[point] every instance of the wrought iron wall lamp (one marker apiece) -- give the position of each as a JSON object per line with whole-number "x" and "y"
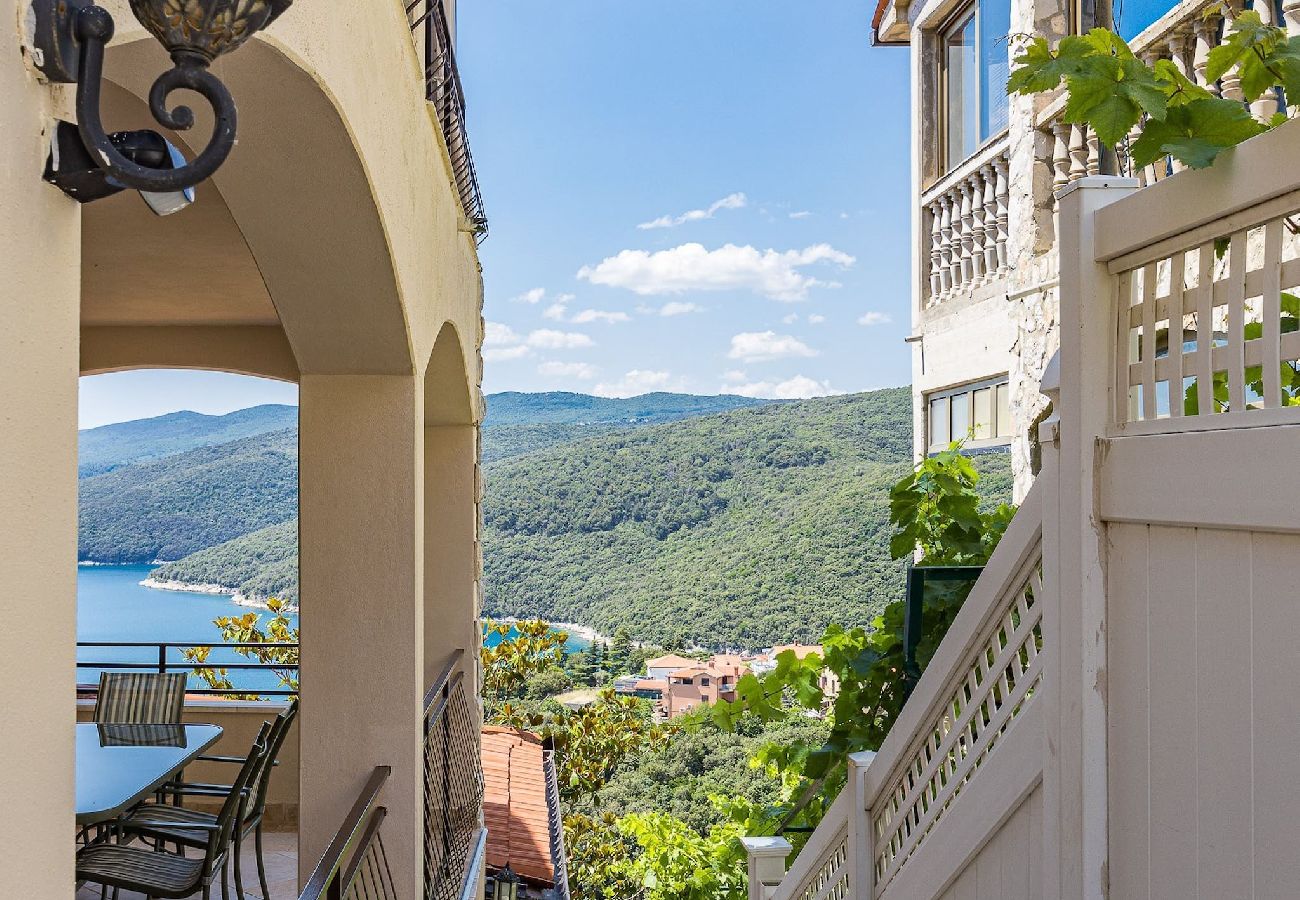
{"x": 68, "y": 39}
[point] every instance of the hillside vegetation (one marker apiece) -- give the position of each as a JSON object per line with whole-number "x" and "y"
{"x": 261, "y": 564}
{"x": 171, "y": 507}
{"x": 110, "y": 446}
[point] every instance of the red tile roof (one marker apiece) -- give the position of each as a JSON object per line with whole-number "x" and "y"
{"x": 515, "y": 807}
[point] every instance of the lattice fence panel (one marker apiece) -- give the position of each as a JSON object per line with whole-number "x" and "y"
{"x": 985, "y": 697}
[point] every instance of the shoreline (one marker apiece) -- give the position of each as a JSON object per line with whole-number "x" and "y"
{"x": 588, "y": 634}
{"x": 236, "y": 597}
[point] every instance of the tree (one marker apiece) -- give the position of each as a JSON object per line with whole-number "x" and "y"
{"x": 620, "y": 653}
{"x": 677, "y": 863}
{"x": 598, "y": 662}
{"x": 524, "y": 649}
{"x": 247, "y": 629}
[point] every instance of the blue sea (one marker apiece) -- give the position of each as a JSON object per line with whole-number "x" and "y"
{"x": 112, "y": 605}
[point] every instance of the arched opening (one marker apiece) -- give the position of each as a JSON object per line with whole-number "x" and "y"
{"x": 451, "y": 494}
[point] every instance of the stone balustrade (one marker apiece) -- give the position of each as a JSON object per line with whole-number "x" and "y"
{"x": 1186, "y": 35}
{"x": 966, "y": 216}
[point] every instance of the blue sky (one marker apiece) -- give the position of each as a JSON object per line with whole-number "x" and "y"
{"x": 701, "y": 196}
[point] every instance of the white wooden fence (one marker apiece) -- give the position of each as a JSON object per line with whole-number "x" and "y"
{"x": 1116, "y": 710}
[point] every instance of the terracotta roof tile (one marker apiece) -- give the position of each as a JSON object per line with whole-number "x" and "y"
{"x": 515, "y": 803}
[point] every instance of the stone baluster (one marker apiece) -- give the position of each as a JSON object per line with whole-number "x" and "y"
{"x": 1291, "y": 17}
{"x": 990, "y": 219}
{"x": 1266, "y": 104}
{"x": 967, "y": 227}
{"x": 1094, "y": 152}
{"x": 1003, "y": 206}
{"x": 945, "y": 243}
{"x": 1207, "y": 28}
{"x": 936, "y": 248}
{"x": 1060, "y": 155}
{"x": 1182, "y": 50}
{"x": 1078, "y": 152}
{"x": 954, "y": 251}
{"x": 1231, "y": 83}
{"x": 978, "y": 226}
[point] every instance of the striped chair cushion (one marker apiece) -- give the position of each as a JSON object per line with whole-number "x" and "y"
{"x": 148, "y": 871}
{"x": 131, "y": 698}
{"x": 173, "y": 820}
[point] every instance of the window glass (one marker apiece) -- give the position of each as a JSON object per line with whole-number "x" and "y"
{"x": 962, "y": 89}
{"x": 1133, "y": 16}
{"x": 939, "y": 434}
{"x": 1004, "y": 410}
{"x": 960, "y": 417}
{"x": 976, "y": 63}
{"x": 995, "y": 65}
{"x": 983, "y": 405}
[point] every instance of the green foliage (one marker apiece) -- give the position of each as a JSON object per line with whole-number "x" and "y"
{"x": 263, "y": 563}
{"x": 171, "y": 507}
{"x": 937, "y": 513}
{"x": 526, "y": 648}
{"x": 247, "y": 629}
{"x": 1113, "y": 92}
{"x": 600, "y": 859}
{"x": 619, "y": 657}
{"x": 678, "y": 863}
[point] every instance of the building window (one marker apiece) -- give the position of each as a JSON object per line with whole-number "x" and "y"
{"x": 979, "y": 414}
{"x": 975, "y": 63}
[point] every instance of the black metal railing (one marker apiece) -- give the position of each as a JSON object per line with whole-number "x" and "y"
{"x": 158, "y": 661}
{"x": 454, "y": 837}
{"x": 354, "y": 865}
{"x": 555, "y": 822}
{"x": 442, "y": 88}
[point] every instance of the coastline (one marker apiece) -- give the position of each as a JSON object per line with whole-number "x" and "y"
{"x": 236, "y": 597}
{"x": 588, "y": 634}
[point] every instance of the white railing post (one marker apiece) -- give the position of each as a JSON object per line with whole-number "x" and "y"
{"x": 862, "y": 849}
{"x": 1075, "y": 810}
{"x": 767, "y": 858}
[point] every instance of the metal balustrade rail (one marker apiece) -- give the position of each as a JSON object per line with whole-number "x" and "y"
{"x": 159, "y": 662}
{"x": 354, "y": 865}
{"x": 453, "y": 786}
{"x": 443, "y": 89}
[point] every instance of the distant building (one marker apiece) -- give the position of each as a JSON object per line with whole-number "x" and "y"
{"x": 829, "y": 682}
{"x": 661, "y": 667}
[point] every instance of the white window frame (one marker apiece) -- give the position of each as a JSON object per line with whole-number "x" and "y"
{"x": 966, "y": 392}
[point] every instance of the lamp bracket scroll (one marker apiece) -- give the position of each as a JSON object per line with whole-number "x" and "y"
{"x": 68, "y": 41}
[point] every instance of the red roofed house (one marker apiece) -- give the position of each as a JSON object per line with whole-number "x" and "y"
{"x": 521, "y": 809}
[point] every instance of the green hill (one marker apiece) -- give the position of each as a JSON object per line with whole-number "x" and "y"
{"x": 171, "y": 507}
{"x": 565, "y": 408}
{"x": 744, "y": 528}
{"x": 110, "y": 446}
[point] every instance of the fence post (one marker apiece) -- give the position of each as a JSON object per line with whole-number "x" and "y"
{"x": 767, "y": 856}
{"x": 862, "y": 845}
{"x": 1075, "y": 778}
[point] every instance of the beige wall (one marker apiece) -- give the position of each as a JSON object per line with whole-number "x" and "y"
{"x": 40, "y": 266}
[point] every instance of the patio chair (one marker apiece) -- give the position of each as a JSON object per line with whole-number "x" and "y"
{"x": 171, "y": 823}
{"x": 140, "y": 698}
{"x": 156, "y": 873}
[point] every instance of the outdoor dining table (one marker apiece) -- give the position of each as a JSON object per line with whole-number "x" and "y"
{"x": 120, "y": 765}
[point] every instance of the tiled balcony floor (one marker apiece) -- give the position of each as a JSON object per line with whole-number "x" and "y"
{"x": 281, "y": 871}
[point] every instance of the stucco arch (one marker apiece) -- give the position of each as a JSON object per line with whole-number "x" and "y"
{"x": 449, "y": 388}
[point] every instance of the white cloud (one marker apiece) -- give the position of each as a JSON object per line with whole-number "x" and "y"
{"x": 790, "y": 319}
{"x": 640, "y": 381}
{"x": 678, "y": 308}
{"x": 731, "y": 201}
{"x": 816, "y": 318}
{"x": 801, "y": 214}
{"x": 599, "y": 315}
{"x": 874, "y": 318}
{"x": 760, "y": 346}
{"x": 733, "y": 375}
{"x": 496, "y": 334}
{"x": 501, "y": 354}
{"x": 580, "y": 370}
{"x": 800, "y": 387}
{"x": 555, "y": 311}
{"x": 533, "y": 296}
{"x": 691, "y": 267}
{"x": 549, "y": 339}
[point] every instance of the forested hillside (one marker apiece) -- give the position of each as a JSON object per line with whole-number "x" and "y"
{"x": 746, "y": 528}
{"x": 565, "y": 408}
{"x": 177, "y": 505}
{"x": 742, "y": 529}
{"x": 110, "y": 446}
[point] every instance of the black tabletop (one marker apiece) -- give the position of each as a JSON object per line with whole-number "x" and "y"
{"x": 120, "y": 765}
